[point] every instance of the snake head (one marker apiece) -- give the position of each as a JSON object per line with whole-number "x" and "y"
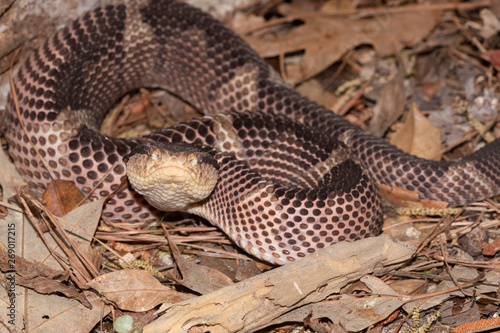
{"x": 172, "y": 176}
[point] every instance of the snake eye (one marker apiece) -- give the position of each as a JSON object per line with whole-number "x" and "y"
{"x": 154, "y": 155}
{"x": 193, "y": 161}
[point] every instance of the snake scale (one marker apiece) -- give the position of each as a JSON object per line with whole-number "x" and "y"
{"x": 293, "y": 176}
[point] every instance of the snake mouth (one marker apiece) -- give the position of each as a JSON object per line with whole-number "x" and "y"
{"x": 173, "y": 174}
{"x": 172, "y": 177}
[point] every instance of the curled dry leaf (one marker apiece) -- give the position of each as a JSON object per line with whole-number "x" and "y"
{"x": 135, "y": 290}
{"x": 41, "y": 278}
{"x": 199, "y": 278}
{"x": 325, "y": 39}
{"x": 62, "y": 196}
{"x": 418, "y": 136}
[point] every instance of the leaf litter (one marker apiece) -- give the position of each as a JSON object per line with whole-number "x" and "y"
{"x": 424, "y": 76}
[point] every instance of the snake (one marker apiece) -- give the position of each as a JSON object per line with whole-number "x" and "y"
{"x": 291, "y": 177}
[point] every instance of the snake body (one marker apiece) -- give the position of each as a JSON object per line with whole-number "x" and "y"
{"x": 292, "y": 174}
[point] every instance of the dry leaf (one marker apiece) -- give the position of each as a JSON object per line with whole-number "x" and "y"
{"x": 40, "y": 312}
{"x": 332, "y": 7}
{"x": 42, "y": 279}
{"x": 201, "y": 279}
{"x": 377, "y": 286}
{"x": 460, "y": 273}
{"x": 82, "y": 222}
{"x": 62, "y": 196}
{"x": 409, "y": 286}
{"x": 135, "y": 290}
{"x": 244, "y": 21}
{"x": 236, "y": 270}
{"x": 359, "y": 313}
{"x": 490, "y": 249}
{"x": 398, "y": 195}
{"x": 53, "y": 317}
{"x": 390, "y": 105}
{"x": 325, "y": 39}
{"x": 87, "y": 251}
{"x": 287, "y": 293}
{"x": 403, "y": 197}
{"x": 493, "y": 56}
{"x": 418, "y": 136}
{"x": 313, "y": 90}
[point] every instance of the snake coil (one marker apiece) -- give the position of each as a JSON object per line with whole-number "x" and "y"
{"x": 286, "y": 187}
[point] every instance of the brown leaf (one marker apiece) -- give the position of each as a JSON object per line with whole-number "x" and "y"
{"x": 62, "y": 196}
{"x": 494, "y": 57}
{"x": 409, "y": 286}
{"x": 397, "y": 195}
{"x": 335, "y": 6}
{"x": 199, "y": 278}
{"x": 75, "y": 318}
{"x": 325, "y": 39}
{"x": 418, "y": 136}
{"x": 313, "y": 90}
{"x": 378, "y": 286}
{"x": 403, "y": 197}
{"x": 135, "y": 290}
{"x": 489, "y": 249}
{"x": 236, "y": 270}
{"x": 87, "y": 251}
{"x": 40, "y": 278}
{"x": 202, "y": 279}
{"x": 289, "y": 293}
{"x": 82, "y": 221}
{"x": 390, "y": 105}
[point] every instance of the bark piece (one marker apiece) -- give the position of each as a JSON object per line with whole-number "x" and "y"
{"x": 267, "y": 298}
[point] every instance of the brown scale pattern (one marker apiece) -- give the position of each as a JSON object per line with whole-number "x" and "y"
{"x": 67, "y": 85}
